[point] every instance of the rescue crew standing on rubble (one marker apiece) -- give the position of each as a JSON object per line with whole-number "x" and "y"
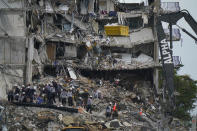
{"x": 85, "y": 96}
{"x": 10, "y": 95}
{"x": 115, "y": 112}
{"x": 108, "y": 110}
{"x": 63, "y": 97}
{"x": 89, "y": 105}
{"x": 70, "y": 98}
{"x": 53, "y": 94}
{"x": 79, "y": 101}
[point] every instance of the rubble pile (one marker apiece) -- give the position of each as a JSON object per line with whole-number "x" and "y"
{"x": 53, "y": 39}
{"x": 137, "y": 109}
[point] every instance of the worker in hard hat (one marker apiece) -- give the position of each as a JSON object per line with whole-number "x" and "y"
{"x": 108, "y": 110}
{"x": 70, "y": 97}
{"x": 17, "y": 90}
{"x": 89, "y": 105}
{"x": 22, "y": 97}
{"x": 115, "y": 112}
{"x": 79, "y": 101}
{"x": 63, "y": 96}
{"x": 85, "y": 96}
{"x": 10, "y": 95}
{"x": 76, "y": 94}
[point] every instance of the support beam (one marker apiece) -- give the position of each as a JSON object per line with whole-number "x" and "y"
{"x": 156, "y": 56}
{"x": 29, "y": 60}
{"x": 171, "y": 46}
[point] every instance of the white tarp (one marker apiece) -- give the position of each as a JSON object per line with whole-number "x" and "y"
{"x": 124, "y": 57}
{"x": 63, "y": 8}
{"x": 142, "y": 59}
{"x": 134, "y": 1}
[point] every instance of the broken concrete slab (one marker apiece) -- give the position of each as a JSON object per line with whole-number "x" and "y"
{"x": 76, "y": 22}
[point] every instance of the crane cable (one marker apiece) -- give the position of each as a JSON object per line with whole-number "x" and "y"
{"x": 188, "y": 33}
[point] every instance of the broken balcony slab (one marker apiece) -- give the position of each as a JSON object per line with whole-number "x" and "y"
{"x": 143, "y": 36}
{"x": 126, "y": 15}
{"x": 68, "y": 109}
{"x": 76, "y": 22}
{"x": 123, "y": 62}
{"x": 62, "y": 38}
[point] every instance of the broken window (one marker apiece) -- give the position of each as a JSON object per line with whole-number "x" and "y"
{"x": 150, "y": 2}
{"x": 58, "y": 21}
{"x": 60, "y": 49}
{"x": 37, "y": 44}
{"x": 134, "y": 23}
{"x": 62, "y": 24}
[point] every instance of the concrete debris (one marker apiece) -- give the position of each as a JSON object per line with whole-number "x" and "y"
{"x": 113, "y": 124}
{"x": 68, "y": 120}
{"x": 77, "y": 22}
{"x": 59, "y": 68}
{"x": 126, "y": 105}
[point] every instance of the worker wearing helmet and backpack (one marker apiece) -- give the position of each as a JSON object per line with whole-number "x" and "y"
{"x": 109, "y": 110}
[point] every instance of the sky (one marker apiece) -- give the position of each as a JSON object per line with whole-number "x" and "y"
{"x": 188, "y": 50}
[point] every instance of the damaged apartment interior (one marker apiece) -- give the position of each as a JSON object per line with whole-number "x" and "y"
{"x": 98, "y": 39}
{"x": 67, "y": 34}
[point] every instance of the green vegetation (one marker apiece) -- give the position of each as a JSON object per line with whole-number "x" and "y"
{"x": 186, "y": 88}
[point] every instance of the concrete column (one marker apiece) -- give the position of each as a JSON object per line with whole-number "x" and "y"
{"x": 29, "y": 60}
{"x": 156, "y": 56}
{"x": 156, "y": 45}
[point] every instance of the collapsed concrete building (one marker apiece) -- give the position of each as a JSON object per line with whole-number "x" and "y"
{"x": 43, "y": 37}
